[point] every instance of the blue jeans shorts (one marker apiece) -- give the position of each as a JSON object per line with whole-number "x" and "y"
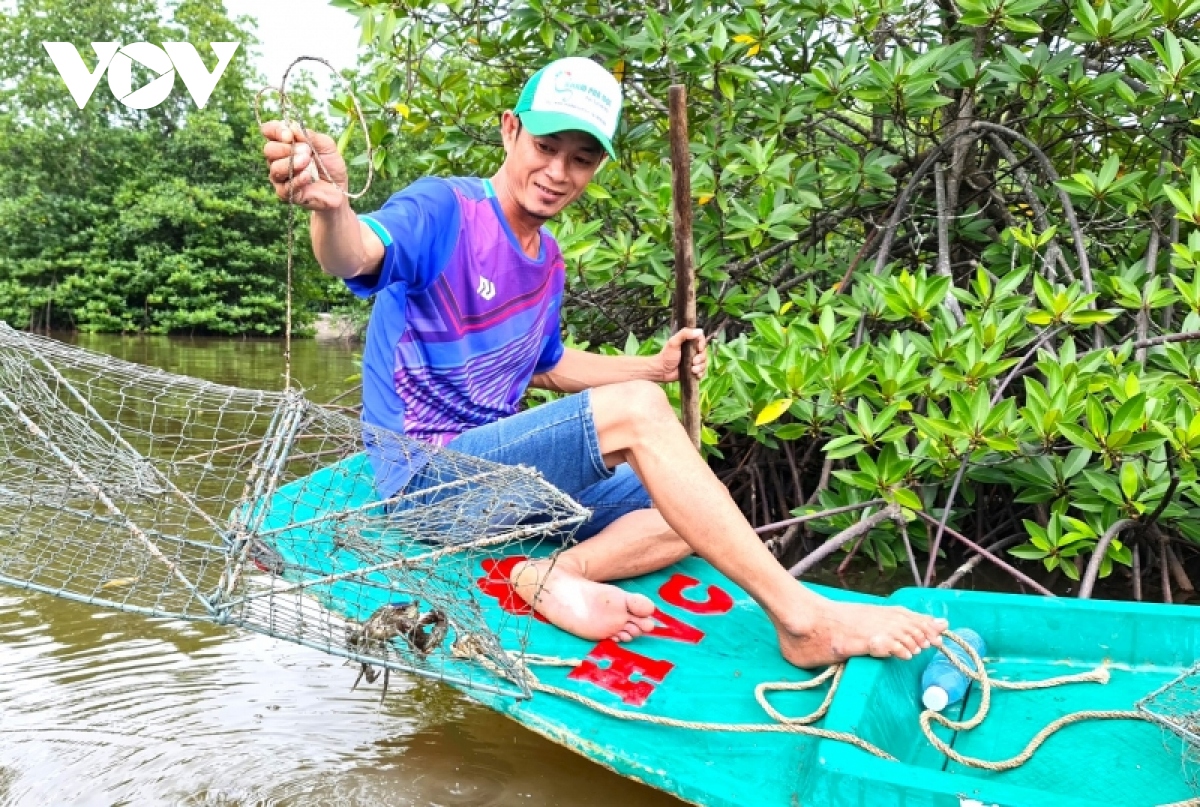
{"x": 559, "y": 440}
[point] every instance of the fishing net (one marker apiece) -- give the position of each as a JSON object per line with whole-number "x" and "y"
{"x": 1176, "y": 707}
{"x": 131, "y": 488}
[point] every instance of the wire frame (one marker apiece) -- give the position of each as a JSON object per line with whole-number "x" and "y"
{"x": 131, "y": 488}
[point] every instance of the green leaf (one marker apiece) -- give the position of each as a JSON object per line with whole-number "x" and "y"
{"x": 1020, "y": 25}
{"x": 725, "y": 84}
{"x": 791, "y": 431}
{"x": 1129, "y": 480}
{"x": 1075, "y": 462}
{"x": 906, "y": 498}
{"x": 1090, "y": 317}
{"x": 1040, "y": 318}
{"x": 1078, "y": 436}
{"x": 1131, "y": 415}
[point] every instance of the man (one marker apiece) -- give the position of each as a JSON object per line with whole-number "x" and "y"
{"x": 468, "y": 284}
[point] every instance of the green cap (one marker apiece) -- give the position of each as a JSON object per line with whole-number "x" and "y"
{"x": 572, "y": 93}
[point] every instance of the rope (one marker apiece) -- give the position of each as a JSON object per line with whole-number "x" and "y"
{"x": 833, "y": 674}
{"x": 979, "y": 674}
{"x": 320, "y": 171}
{"x": 785, "y": 724}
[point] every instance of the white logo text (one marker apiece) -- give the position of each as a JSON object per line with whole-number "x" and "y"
{"x": 164, "y": 61}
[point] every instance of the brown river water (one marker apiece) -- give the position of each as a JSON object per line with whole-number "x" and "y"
{"x": 102, "y": 708}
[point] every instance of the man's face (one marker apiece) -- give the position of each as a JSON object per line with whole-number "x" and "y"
{"x": 548, "y": 172}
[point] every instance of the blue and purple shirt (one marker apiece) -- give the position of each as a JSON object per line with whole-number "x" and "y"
{"x": 462, "y": 320}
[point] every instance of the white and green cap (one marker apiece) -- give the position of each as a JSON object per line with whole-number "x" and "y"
{"x": 572, "y": 93}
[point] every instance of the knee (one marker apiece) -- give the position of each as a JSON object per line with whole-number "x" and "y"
{"x": 638, "y": 406}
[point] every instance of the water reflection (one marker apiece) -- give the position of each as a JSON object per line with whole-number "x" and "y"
{"x": 100, "y": 708}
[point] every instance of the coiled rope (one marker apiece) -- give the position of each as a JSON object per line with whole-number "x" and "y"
{"x": 803, "y": 724}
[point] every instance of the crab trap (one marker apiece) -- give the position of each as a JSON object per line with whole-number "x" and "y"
{"x": 1176, "y": 707}
{"x": 135, "y": 489}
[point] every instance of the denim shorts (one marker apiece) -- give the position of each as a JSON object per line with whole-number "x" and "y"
{"x": 559, "y": 440}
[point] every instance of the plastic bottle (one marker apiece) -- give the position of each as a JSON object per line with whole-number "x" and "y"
{"x": 941, "y": 683}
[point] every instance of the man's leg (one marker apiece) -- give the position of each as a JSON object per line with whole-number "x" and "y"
{"x": 559, "y": 440}
{"x": 635, "y": 424}
{"x": 635, "y": 544}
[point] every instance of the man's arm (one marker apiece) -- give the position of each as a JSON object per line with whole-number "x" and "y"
{"x": 578, "y": 370}
{"x": 343, "y": 245}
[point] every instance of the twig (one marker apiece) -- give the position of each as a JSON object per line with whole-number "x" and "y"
{"x": 356, "y": 388}
{"x": 1097, "y": 67}
{"x": 823, "y": 481}
{"x": 962, "y": 468}
{"x": 1093, "y": 567}
{"x": 1015, "y": 572}
{"x": 1052, "y": 177}
{"x": 889, "y": 231}
{"x": 845, "y": 536}
{"x": 798, "y": 488}
{"x": 1164, "y": 569}
{"x": 1182, "y": 581}
{"x": 1156, "y": 341}
{"x": 863, "y": 251}
{"x": 943, "y": 234}
{"x": 1053, "y": 250}
{"x": 1137, "y": 572}
{"x": 902, "y": 525}
{"x": 836, "y": 511}
{"x": 760, "y": 258}
{"x": 1169, "y": 493}
{"x": 845, "y": 564}
{"x": 968, "y": 567}
{"x": 779, "y": 546}
{"x": 648, "y": 97}
{"x": 1186, "y": 336}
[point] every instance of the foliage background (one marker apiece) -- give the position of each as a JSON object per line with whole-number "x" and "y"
{"x": 939, "y": 242}
{"x": 948, "y": 248}
{"x": 114, "y": 219}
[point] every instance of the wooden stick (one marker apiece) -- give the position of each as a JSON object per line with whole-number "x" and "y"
{"x": 685, "y": 260}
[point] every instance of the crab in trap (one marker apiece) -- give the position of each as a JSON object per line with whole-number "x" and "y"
{"x": 423, "y": 631}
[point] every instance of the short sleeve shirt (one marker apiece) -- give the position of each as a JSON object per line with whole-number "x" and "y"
{"x": 462, "y": 320}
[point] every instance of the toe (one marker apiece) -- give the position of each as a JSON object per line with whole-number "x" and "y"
{"x": 918, "y": 637}
{"x": 640, "y": 605}
{"x": 911, "y": 644}
{"x": 900, "y": 647}
{"x": 622, "y": 636}
{"x": 633, "y": 629}
{"x": 644, "y": 624}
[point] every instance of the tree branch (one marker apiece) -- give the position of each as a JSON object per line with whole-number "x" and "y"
{"x": 1093, "y": 567}
{"x": 1017, "y": 573}
{"x": 845, "y": 536}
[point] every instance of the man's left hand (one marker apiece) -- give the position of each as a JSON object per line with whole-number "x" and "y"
{"x": 671, "y": 352}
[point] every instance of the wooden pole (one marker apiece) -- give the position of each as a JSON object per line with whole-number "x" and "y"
{"x": 685, "y": 260}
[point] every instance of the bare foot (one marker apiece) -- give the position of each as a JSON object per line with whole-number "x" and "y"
{"x": 582, "y": 607}
{"x": 840, "y": 630}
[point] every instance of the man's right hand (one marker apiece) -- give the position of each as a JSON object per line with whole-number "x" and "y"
{"x": 308, "y": 189}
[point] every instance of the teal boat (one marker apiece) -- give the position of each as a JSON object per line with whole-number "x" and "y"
{"x": 685, "y": 710}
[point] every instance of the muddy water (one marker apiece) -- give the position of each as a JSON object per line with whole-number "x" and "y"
{"x": 100, "y": 708}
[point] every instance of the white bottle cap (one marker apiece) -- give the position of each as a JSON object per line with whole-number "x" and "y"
{"x": 935, "y": 698}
